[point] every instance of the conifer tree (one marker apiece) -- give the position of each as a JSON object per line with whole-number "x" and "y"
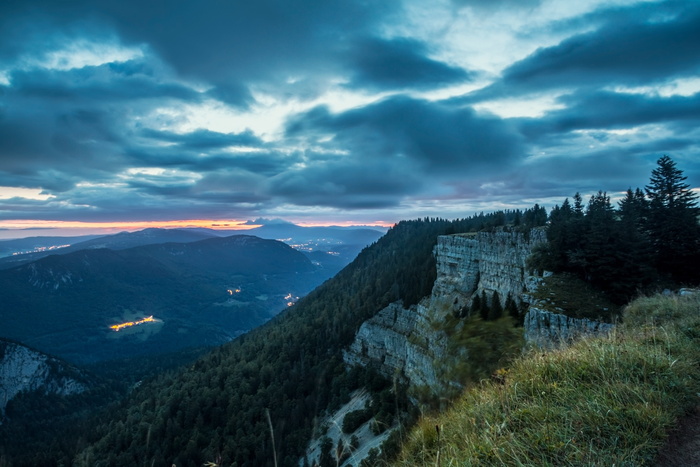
{"x": 484, "y": 308}
{"x": 475, "y": 306}
{"x": 496, "y": 310}
{"x": 672, "y": 222}
{"x": 511, "y": 308}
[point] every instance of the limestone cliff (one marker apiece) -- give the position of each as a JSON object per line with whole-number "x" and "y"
{"x": 406, "y": 343}
{"x": 469, "y": 264}
{"x": 413, "y": 345}
{"x": 24, "y": 369}
{"x": 549, "y": 330}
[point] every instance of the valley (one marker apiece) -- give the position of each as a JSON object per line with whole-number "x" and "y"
{"x": 62, "y": 304}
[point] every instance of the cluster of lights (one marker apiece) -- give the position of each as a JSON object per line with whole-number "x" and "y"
{"x": 40, "y": 249}
{"x": 118, "y": 327}
{"x": 291, "y": 299}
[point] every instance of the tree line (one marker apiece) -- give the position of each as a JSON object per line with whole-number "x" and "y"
{"x": 650, "y": 240}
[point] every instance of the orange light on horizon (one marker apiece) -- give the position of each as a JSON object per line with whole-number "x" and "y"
{"x": 215, "y": 224}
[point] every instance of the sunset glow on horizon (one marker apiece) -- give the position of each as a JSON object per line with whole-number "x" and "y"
{"x": 19, "y": 228}
{"x": 23, "y": 228}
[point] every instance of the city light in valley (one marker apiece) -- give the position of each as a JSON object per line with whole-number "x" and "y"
{"x": 118, "y": 327}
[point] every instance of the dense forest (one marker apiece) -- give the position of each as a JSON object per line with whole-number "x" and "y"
{"x": 651, "y": 241}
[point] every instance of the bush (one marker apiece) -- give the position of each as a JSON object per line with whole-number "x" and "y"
{"x": 355, "y": 419}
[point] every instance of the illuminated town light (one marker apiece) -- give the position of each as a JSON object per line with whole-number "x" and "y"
{"x": 118, "y": 327}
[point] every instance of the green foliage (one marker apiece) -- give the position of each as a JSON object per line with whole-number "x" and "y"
{"x": 353, "y": 420}
{"x": 476, "y": 348}
{"x": 484, "y": 307}
{"x": 567, "y": 293}
{"x": 496, "y": 309}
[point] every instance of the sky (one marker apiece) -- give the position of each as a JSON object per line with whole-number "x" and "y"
{"x": 122, "y": 114}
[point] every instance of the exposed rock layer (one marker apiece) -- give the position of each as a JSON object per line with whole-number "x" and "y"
{"x": 405, "y": 342}
{"x": 549, "y": 330}
{"x": 488, "y": 262}
{"x": 24, "y": 369}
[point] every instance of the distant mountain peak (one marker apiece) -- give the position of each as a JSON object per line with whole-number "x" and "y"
{"x": 266, "y": 221}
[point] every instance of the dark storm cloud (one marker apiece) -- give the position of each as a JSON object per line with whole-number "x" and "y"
{"x": 347, "y": 183}
{"x": 611, "y": 110}
{"x": 399, "y": 64}
{"x": 422, "y": 135}
{"x": 637, "y": 48}
{"x": 106, "y": 140}
{"x": 70, "y": 141}
{"x": 105, "y": 83}
{"x": 228, "y": 44}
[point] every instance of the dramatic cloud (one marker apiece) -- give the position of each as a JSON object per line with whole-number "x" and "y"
{"x": 426, "y": 136}
{"x": 117, "y": 110}
{"x": 640, "y": 47}
{"x": 398, "y": 64}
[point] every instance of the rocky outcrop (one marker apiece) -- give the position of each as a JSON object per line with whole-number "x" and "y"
{"x": 549, "y": 330}
{"x": 400, "y": 342}
{"x": 406, "y": 343}
{"x": 469, "y": 264}
{"x": 24, "y": 369}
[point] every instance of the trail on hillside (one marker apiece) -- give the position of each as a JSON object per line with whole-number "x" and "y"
{"x": 683, "y": 446}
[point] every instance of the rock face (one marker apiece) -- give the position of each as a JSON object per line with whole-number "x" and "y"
{"x": 399, "y": 342}
{"x": 489, "y": 262}
{"x": 549, "y": 330}
{"x": 405, "y": 343}
{"x": 24, "y": 369}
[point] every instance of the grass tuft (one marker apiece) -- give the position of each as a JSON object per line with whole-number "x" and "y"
{"x": 601, "y": 401}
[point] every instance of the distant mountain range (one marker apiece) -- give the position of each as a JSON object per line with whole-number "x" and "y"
{"x": 175, "y": 295}
{"x": 343, "y": 242}
{"x": 120, "y": 241}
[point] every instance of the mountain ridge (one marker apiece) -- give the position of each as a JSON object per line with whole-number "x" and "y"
{"x": 193, "y": 288}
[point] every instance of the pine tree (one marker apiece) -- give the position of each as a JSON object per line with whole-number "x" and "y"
{"x": 601, "y": 264}
{"x": 634, "y": 249}
{"x": 484, "y": 307}
{"x": 511, "y": 308}
{"x": 475, "y": 306}
{"x": 672, "y": 222}
{"x": 496, "y": 310}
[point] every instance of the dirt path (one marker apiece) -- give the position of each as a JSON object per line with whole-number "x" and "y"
{"x": 683, "y": 446}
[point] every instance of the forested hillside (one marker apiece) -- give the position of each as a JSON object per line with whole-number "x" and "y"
{"x": 291, "y": 368}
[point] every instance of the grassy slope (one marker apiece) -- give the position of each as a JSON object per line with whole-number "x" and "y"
{"x": 603, "y": 401}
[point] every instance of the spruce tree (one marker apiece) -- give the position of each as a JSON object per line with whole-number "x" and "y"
{"x": 496, "y": 310}
{"x": 672, "y": 222}
{"x": 475, "y": 306}
{"x": 484, "y": 306}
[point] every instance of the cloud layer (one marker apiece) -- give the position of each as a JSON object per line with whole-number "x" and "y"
{"x": 127, "y": 111}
